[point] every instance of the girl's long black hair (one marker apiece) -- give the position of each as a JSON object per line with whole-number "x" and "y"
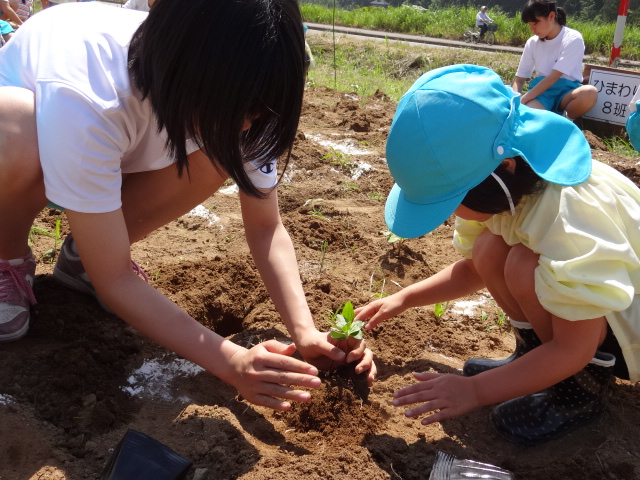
{"x": 207, "y": 66}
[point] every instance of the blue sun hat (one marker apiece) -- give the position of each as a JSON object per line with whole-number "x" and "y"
{"x": 453, "y": 128}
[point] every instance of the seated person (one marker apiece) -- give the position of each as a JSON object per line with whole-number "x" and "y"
{"x": 8, "y": 12}
{"x": 6, "y": 32}
{"x": 142, "y": 5}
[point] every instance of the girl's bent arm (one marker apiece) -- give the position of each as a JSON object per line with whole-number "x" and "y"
{"x": 541, "y": 87}
{"x": 259, "y": 374}
{"x": 275, "y": 257}
{"x": 571, "y": 349}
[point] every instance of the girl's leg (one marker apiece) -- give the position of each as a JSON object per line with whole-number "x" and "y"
{"x": 519, "y": 275}
{"x": 153, "y": 199}
{"x": 21, "y": 184}
{"x": 490, "y": 253}
{"x": 21, "y": 198}
{"x": 579, "y": 101}
{"x": 536, "y": 104}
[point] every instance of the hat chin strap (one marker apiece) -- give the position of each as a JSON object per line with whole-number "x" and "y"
{"x": 506, "y": 192}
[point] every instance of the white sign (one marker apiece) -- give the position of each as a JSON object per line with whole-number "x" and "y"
{"x": 615, "y": 91}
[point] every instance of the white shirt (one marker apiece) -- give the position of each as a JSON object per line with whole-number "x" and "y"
{"x": 141, "y": 5}
{"x": 563, "y": 53}
{"x": 480, "y": 16}
{"x": 92, "y": 125}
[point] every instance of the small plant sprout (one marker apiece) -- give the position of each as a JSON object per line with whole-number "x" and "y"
{"x": 393, "y": 239}
{"x": 343, "y": 325}
{"x": 342, "y": 160}
{"x": 439, "y": 309}
{"x": 381, "y": 293}
{"x": 316, "y": 212}
{"x": 50, "y": 255}
{"x": 323, "y": 251}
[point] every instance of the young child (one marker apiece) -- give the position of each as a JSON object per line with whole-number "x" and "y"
{"x": 555, "y": 53}
{"x": 6, "y": 32}
{"x": 551, "y": 234}
{"x": 128, "y": 128}
{"x": 632, "y": 123}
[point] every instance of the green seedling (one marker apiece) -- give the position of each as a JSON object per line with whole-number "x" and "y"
{"x": 343, "y": 326}
{"x": 323, "y": 252}
{"x": 349, "y": 186}
{"x": 393, "y": 239}
{"x": 316, "y": 212}
{"x": 50, "y": 255}
{"x": 33, "y": 231}
{"x": 342, "y": 160}
{"x": 439, "y": 309}
{"x": 381, "y": 293}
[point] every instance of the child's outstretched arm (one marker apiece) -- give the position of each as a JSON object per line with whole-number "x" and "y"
{"x": 274, "y": 255}
{"x": 263, "y": 375}
{"x": 455, "y": 281}
{"x": 571, "y": 349}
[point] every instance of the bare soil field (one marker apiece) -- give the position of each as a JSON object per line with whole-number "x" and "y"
{"x": 81, "y": 378}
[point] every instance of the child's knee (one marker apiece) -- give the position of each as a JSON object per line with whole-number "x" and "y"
{"x": 489, "y": 254}
{"x": 519, "y": 271}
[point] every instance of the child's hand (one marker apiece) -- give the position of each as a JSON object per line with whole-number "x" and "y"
{"x": 320, "y": 349}
{"x": 451, "y": 395}
{"x": 264, "y": 374}
{"x": 379, "y": 311}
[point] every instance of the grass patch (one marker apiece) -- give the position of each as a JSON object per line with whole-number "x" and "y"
{"x": 451, "y": 23}
{"x": 364, "y": 67}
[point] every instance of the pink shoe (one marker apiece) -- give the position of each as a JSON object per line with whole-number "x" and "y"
{"x": 16, "y": 296}
{"x": 70, "y": 272}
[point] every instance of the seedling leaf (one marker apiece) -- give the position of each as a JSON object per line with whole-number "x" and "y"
{"x": 343, "y": 325}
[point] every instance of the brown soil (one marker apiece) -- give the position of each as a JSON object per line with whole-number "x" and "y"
{"x": 62, "y": 404}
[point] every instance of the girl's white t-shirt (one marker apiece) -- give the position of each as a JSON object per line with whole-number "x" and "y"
{"x": 92, "y": 125}
{"x": 563, "y": 53}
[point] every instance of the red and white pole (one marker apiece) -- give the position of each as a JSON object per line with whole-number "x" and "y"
{"x": 623, "y": 10}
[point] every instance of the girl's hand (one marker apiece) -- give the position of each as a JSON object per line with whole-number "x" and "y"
{"x": 451, "y": 395}
{"x": 264, "y": 374}
{"x": 379, "y": 311}
{"x": 320, "y": 349}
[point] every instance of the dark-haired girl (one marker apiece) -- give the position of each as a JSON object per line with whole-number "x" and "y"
{"x": 555, "y": 54}
{"x": 127, "y": 127}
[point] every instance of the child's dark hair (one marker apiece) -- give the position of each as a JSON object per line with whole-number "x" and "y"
{"x": 489, "y": 197}
{"x": 207, "y": 66}
{"x": 542, "y": 8}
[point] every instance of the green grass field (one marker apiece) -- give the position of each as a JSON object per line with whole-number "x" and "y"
{"x": 452, "y": 22}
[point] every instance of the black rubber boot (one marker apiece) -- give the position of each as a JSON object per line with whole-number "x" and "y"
{"x": 567, "y": 405}
{"x": 526, "y": 340}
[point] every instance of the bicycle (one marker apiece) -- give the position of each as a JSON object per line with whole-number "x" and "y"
{"x": 474, "y": 35}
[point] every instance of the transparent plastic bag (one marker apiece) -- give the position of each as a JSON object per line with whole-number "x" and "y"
{"x": 448, "y": 467}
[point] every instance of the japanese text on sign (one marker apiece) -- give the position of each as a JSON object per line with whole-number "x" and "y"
{"x": 615, "y": 91}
